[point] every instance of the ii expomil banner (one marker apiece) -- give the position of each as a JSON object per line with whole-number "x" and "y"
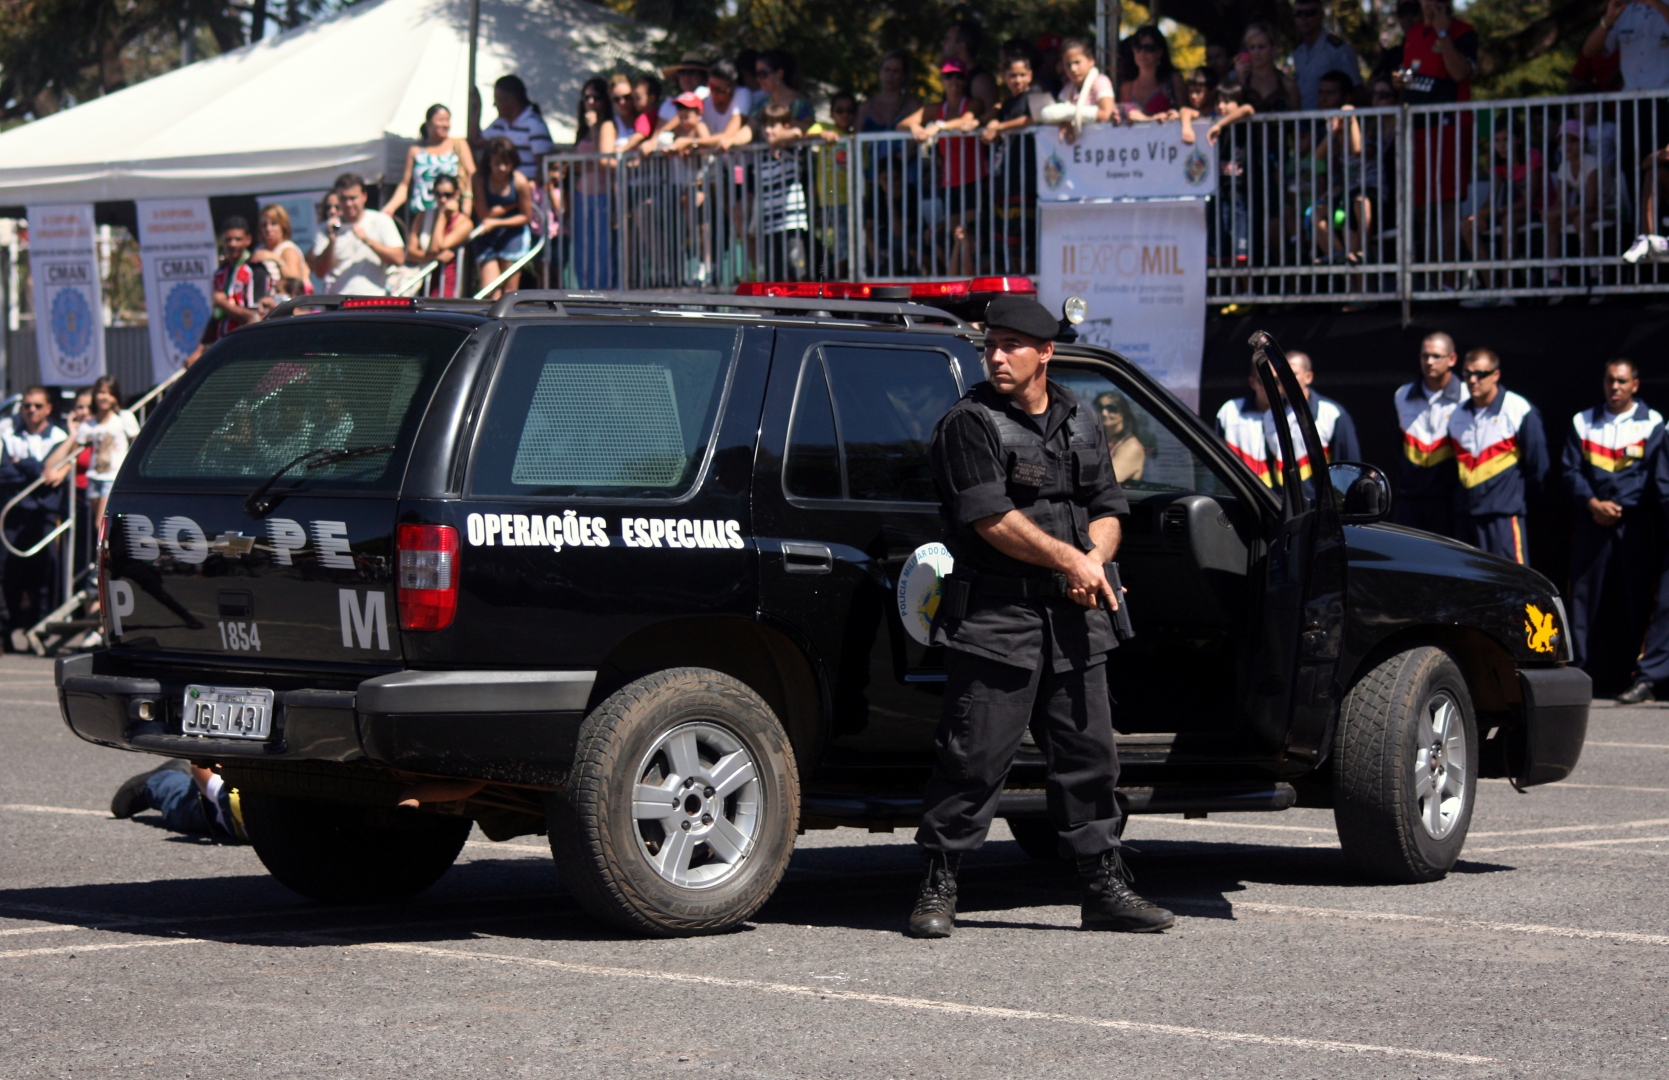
{"x": 1141, "y": 266}
{"x": 177, "y": 259}
{"x": 64, "y": 271}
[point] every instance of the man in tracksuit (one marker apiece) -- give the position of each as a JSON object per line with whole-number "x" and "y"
{"x": 1333, "y": 424}
{"x": 1499, "y": 450}
{"x": 1609, "y": 457}
{"x": 1426, "y": 479}
{"x": 1248, "y": 425}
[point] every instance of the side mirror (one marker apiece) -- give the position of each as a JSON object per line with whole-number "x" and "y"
{"x": 1360, "y": 491}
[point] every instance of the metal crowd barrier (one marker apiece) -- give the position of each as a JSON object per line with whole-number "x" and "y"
{"x": 1485, "y": 200}
{"x": 862, "y": 208}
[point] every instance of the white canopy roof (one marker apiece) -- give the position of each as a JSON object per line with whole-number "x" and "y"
{"x": 292, "y": 112}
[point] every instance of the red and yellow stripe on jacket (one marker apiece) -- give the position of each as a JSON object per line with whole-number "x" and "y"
{"x": 1424, "y": 420}
{"x": 1486, "y": 443}
{"x": 1613, "y": 443}
{"x": 1241, "y": 426}
{"x": 1326, "y": 415}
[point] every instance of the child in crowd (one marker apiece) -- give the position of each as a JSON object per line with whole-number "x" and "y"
{"x": 1087, "y": 97}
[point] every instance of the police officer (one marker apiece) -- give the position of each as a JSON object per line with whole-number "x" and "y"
{"x": 1607, "y": 463}
{"x": 27, "y": 583}
{"x": 1031, "y": 510}
{"x": 1426, "y": 479}
{"x": 1500, "y": 450}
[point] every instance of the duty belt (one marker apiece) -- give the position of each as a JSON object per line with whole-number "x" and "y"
{"x": 1050, "y": 587}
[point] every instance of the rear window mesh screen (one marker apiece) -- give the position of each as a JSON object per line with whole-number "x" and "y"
{"x": 601, "y": 425}
{"x": 610, "y": 411}
{"x": 252, "y": 416}
{"x": 270, "y": 393}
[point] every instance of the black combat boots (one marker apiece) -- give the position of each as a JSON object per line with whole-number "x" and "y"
{"x": 935, "y": 910}
{"x": 1109, "y": 903}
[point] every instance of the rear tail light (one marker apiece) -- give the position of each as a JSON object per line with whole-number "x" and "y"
{"x": 428, "y": 576}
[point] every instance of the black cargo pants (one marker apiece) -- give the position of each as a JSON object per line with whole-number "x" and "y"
{"x": 988, "y": 707}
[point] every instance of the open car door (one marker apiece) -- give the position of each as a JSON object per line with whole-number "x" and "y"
{"x": 1294, "y": 698}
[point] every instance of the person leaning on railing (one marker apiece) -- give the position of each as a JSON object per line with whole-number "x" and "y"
{"x": 962, "y": 162}
{"x": 505, "y": 201}
{"x": 26, "y": 450}
{"x": 437, "y": 235}
{"x": 591, "y": 187}
{"x": 725, "y": 111}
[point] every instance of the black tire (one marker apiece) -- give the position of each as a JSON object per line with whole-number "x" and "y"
{"x": 1037, "y": 838}
{"x": 631, "y": 868}
{"x": 1387, "y": 827}
{"x": 340, "y": 853}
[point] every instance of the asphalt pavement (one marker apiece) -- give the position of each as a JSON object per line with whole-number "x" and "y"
{"x": 128, "y": 951}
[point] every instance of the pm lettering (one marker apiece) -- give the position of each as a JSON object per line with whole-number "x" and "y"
{"x": 359, "y": 621}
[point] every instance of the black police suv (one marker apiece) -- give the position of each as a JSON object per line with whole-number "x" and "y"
{"x": 653, "y": 574}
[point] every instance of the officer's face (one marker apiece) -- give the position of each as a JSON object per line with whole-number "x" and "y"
{"x": 1013, "y": 360}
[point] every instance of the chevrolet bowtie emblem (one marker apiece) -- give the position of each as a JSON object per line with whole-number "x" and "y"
{"x": 232, "y": 543}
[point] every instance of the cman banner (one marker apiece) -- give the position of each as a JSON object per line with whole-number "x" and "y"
{"x": 1141, "y": 267}
{"x": 177, "y": 261}
{"x": 64, "y": 271}
{"x": 1127, "y": 161}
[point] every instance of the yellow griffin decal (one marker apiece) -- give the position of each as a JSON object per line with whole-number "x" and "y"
{"x": 1539, "y": 631}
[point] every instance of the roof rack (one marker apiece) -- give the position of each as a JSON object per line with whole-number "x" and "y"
{"x": 335, "y": 301}
{"x": 557, "y": 302}
{"x": 875, "y": 311}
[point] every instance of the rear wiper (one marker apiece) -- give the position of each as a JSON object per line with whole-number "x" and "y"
{"x": 258, "y": 506}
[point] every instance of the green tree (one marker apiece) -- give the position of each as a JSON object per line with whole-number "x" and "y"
{"x": 54, "y": 53}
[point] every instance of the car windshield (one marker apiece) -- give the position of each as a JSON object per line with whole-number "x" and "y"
{"x": 333, "y": 384}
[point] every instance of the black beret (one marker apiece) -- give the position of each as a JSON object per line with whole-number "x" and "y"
{"x": 1024, "y": 314}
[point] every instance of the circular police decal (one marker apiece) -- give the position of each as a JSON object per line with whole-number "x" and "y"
{"x": 184, "y": 314}
{"x": 72, "y": 323}
{"x": 921, "y": 586}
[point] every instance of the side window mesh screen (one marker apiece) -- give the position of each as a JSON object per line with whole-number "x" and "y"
{"x": 603, "y": 425}
{"x": 609, "y": 411}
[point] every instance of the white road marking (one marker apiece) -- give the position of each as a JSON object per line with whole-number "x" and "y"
{"x": 53, "y": 950}
{"x": 1570, "y": 844}
{"x": 1647, "y": 823}
{"x": 988, "y": 1012}
{"x": 1436, "y": 920}
{"x": 1595, "y": 787}
{"x": 1146, "y": 820}
{"x": 29, "y": 808}
{"x": 501, "y": 846}
{"x": 1630, "y": 745}
{"x": 31, "y": 701}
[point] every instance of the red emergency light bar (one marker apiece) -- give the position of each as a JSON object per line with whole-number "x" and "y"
{"x": 919, "y": 290}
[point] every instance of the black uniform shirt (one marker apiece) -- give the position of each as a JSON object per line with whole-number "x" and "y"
{"x": 975, "y": 476}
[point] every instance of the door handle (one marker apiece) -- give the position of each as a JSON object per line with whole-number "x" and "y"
{"x": 803, "y": 558}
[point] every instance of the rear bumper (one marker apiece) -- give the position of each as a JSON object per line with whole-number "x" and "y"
{"x": 1555, "y": 726}
{"x": 506, "y": 726}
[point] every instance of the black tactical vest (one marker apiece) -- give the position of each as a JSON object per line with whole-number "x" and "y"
{"x": 1050, "y": 485}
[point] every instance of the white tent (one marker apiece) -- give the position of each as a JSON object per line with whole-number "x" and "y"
{"x": 292, "y": 112}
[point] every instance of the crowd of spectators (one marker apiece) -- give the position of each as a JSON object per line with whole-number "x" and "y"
{"x": 467, "y": 207}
